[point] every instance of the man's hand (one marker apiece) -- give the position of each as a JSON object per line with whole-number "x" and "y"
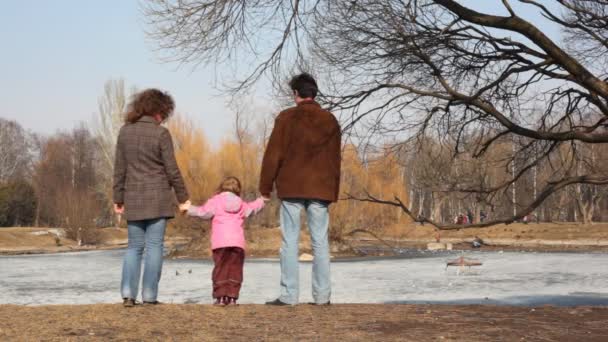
{"x": 119, "y": 208}
{"x": 185, "y": 206}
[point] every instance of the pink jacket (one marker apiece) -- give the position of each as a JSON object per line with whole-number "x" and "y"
{"x": 227, "y": 212}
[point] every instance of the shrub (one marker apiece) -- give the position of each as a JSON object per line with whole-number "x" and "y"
{"x": 17, "y": 204}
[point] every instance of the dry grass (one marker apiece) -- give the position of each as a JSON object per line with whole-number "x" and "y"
{"x": 348, "y": 322}
{"x": 23, "y": 240}
{"x": 545, "y": 231}
{"x": 23, "y": 237}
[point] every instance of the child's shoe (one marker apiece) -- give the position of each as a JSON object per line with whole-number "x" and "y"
{"x": 231, "y": 301}
{"x": 219, "y": 301}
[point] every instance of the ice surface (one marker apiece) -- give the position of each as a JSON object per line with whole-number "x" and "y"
{"x": 505, "y": 278}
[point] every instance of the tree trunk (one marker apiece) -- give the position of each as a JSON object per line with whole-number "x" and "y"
{"x": 477, "y": 214}
{"x": 421, "y": 203}
{"x": 436, "y": 207}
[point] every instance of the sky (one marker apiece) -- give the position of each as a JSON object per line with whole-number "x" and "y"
{"x": 57, "y": 55}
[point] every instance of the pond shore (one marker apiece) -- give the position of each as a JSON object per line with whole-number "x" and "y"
{"x": 265, "y": 242}
{"x": 28, "y": 240}
{"x": 353, "y": 322}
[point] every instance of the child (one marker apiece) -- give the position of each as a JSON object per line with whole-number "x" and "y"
{"x": 227, "y": 211}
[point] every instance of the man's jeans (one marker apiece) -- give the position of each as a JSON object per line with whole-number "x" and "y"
{"x": 318, "y": 224}
{"x": 148, "y": 234}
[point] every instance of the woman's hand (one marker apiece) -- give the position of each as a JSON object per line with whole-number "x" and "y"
{"x": 185, "y": 206}
{"x": 119, "y": 208}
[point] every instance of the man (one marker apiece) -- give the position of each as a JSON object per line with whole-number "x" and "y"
{"x": 303, "y": 160}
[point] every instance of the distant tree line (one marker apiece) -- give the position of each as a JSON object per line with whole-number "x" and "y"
{"x": 64, "y": 180}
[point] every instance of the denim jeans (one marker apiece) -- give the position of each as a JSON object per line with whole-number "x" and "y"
{"x": 148, "y": 234}
{"x": 318, "y": 224}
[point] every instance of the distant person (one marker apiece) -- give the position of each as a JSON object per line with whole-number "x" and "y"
{"x": 477, "y": 242}
{"x": 303, "y": 160}
{"x": 145, "y": 179}
{"x": 482, "y": 216}
{"x": 227, "y": 212}
{"x": 469, "y": 216}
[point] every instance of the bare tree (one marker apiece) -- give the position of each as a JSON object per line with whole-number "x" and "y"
{"x": 15, "y": 151}
{"x": 241, "y": 132}
{"x": 66, "y": 183}
{"x": 588, "y": 197}
{"x": 112, "y": 107}
{"x": 401, "y": 69}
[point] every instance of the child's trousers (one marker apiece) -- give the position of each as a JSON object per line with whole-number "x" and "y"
{"x": 228, "y": 271}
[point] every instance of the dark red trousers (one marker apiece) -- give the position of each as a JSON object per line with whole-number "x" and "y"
{"x": 228, "y": 271}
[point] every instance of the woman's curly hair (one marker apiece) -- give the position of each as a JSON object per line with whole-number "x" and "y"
{"x": 150, "y": 102}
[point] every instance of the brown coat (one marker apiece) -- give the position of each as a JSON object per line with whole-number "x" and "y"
{"x": 145, "y": 170}
{"x": 303, "y": 154}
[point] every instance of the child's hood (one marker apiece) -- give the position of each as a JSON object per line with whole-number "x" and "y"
{"x": 230, "y": 202}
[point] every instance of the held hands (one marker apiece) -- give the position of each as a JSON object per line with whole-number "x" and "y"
{"x": 265, "y": 199}
{"x": 119, "y": 208}
{"x": 185, "y": 206}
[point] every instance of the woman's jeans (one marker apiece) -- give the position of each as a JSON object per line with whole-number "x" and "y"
{"x": 318, "y": 224}
{"x": 148, "y": 234}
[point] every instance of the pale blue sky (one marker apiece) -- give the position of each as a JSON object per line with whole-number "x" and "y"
{"x": 56, "y": 56}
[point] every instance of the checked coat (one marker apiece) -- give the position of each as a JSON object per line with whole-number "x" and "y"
{"x": 145, "y": 171}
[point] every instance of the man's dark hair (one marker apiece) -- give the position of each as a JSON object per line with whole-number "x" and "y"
{"x": 305, "y": 84}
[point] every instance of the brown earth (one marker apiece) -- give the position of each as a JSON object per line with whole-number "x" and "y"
{"x": 343, "y": 322}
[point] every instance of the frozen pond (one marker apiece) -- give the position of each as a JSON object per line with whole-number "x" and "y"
{"x": 504, "y": 278}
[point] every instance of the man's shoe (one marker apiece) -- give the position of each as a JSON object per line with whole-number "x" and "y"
{"x": 152, "y": 303}
{"x": 320, "y": 304}
{"x": 128, "y": 302}
{"x": 277, "y": 302}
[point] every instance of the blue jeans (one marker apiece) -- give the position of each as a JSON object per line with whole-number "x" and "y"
{"x": 318, "y": 224}
{"x": 148, "y": 234}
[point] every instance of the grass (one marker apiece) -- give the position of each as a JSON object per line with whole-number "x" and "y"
{"x": 344, "y": 322}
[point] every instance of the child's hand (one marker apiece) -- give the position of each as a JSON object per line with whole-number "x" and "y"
{"x": 185, "y": 206}
{"x": 265, "y": 199}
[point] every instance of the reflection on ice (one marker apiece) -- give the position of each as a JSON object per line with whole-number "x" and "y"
{"x": 504, "y": 278}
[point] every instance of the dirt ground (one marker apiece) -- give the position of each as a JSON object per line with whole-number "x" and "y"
{"x": 344, "y": 322}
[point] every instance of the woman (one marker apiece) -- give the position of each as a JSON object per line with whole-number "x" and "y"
{"x": 145, "y": 170}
